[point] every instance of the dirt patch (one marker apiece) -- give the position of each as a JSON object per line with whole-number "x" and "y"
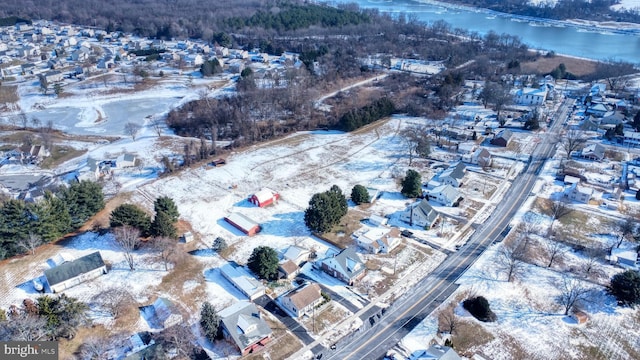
{"x": 282, "y": 345}
{"x": 340, "y": 235}
{"x": 544, "y": 65}
{"x": 325, "y": 319}
{"x": 470, "y": 336}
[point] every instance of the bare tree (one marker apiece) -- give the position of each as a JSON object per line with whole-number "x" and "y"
{"x": 24, "y": 120}
{"x": 626, "y": 229}
{"x": 559, "y": 209}
{"x": 46, "y": 135}
{"x": 415, "y": 138}
{"x": 510, "y": 260}
{"x": 572, "y": 292}
{"x": 591, "y": 260}
{"x": 22, "y": 326}
{"x": 554, "y": 249}
{"x": 447, "y": 320}
{"x": 113, "y": 300}
{"x": 572, "y": 141}
{"x": 30, "y": 243}
{"x": 128, "y": 238}
{"x": 157, "y": 124}
{"x": 132, "y": 129}
{"x": 179, "y": 337}
{"x": 94, "y": 348}
{"x": 35, "y": 122}
{"x": 166, "y": 249}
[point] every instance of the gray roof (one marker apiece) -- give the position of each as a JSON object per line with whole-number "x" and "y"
{"x": 448, "y": 191}
{"x": 438, "y": 352}
{"x": 244, "y": 324}
{"x": 241, "y": 220}
{"x": 505, "y": 134}
{"x": 426, "y": 210}
{"x": 349, "y": 261}
{"x": 71, "y": 269}
{"x": 456, "y": 172}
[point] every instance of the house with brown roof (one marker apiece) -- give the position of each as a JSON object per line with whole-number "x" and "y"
{"x": 302, "y": 300}
{"x": 288, "y": 269}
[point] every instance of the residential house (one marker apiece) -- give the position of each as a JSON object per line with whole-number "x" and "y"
{"x": 632, "y": 138}
{"x": 378, "y": 240}
{"x": 436, "y": 352}
{"x": 453, "y": 175}
{"x": 296, "y": 254}
{"x": 480, "y": 157}
{"x": 303, "y": 300}
{"x": 597, "y": 109}
{"x": 243, "y": 325}
{"x": 243, "y": 224}
{"x": 72, "y": 273}
{"x": 51, "y": 77}
{"x": 126, "y": 160}
{"x": 162, "y": 313}
{"x": 244, "y": 282}
{"x": 503, "y": 138}
{"x": 345, "y": 266}
{"x": 530, "y": 96}
{"x": 38, "y": 152}
{"x": 579, "y": 193}
{"x": 264, "y": 197}
{"x": 593, "y": 152}
{"x": 420, "y": 214}
{"x": 590, "y": 123}
{"x": 445, "y": 194}
{"x": 612, "y": 119}
{"x": 81, "y": 54}
{"x": 287, "y": 269}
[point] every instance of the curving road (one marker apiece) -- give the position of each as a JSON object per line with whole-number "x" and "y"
{"x": 407, "y": 312}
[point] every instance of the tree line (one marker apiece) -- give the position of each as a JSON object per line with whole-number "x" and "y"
{"x": 24, "y": 226}
{"x": 358, "y": 118}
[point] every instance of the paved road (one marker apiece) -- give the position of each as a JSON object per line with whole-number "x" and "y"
{"x": 407, "y": 312}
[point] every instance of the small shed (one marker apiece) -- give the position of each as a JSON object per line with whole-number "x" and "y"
{"x": 503, "y": 138}
{"x": 187, "y": 237}
{"x": 126, "y": 160}
{"x": 264, "y": 197}
{"x": 243, "y": 223}
{"x": 580, "y": 317}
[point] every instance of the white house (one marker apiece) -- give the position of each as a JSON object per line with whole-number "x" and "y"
{"x": 579, "y": 193}
{"x": 530, "y": 96}
{"x": 445, "y": 194}
{"x": 420, "y": 214}
{"x": 593, "y": 152}
{"x": 126, "y": 160}
{"x": 377, "y": 240}
{"x": 453, "y": 175}
{"x": 72, "y": 273}
{"x": 345, "y": 266}
{"x": 296, "y": 254}
{"x": 480, "y": 156}
{"x": 244, "y": 282}
{"x": 302, "y": 300}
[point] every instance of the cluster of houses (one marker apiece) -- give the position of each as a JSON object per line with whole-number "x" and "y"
{"x": 52, "y": 52}
{"x": 96, "y": 169}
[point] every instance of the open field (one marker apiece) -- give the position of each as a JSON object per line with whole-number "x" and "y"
{"x": 544, "y": 65}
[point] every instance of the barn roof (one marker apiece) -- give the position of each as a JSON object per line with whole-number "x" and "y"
{"x": 264, "y": 195}
{"x": 71, "y": 269}
{"x": 242, "y": 221}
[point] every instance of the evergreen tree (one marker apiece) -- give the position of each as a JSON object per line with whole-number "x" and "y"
{"x": 359, "y": 194}
{"x": 62, "y": 313}
{"x": 625, "y": 287}
{"x": 636, "y": 121}
{"x": 325, "y": 210}
{"x": 638, "y": 194}
{"x": 163, "y": 226}
{"x": 51, "y": 218}
{"x": 209, "y": 321}
{"x": 168, "y": 206}
{"x": 132, "y": 215}
{"x": 479, "y": 307}
{"x": 264, "y": 262}
{"x": 15, "y": 223}
{"x": 412, "y": 184}
{"x": 83, "y": 199}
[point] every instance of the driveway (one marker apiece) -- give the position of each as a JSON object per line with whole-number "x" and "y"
{"x": 298, "y": 330}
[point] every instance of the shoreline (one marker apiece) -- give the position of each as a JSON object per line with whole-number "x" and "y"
{"x": 632, "y": 29}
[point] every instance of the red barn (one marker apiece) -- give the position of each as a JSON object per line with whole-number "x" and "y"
{"x": 243, "y": 224}
{"x": 264, "y": 197}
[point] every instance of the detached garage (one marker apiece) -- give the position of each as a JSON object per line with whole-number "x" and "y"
{"x": 243, "y": 224}
{"x": 264, "y": 197}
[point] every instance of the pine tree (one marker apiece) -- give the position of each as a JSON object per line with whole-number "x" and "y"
{"x": 83, "y": 199}
{"x": 15, "y": 223}
{"x": 132, "y": 215}
{"x": 168, "y": 206}
{"x": 264, "y": 262}
{"x": 412, "y": 184}
{"x": 51, "y": 218}
{"x": 209, "y": 320}
{"x": 163, "y": 226}
{"x": 625, "y": 286}
{"x": 359, "y": 194}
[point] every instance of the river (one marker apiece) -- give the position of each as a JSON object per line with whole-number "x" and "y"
{"x": 561, "y": 38}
